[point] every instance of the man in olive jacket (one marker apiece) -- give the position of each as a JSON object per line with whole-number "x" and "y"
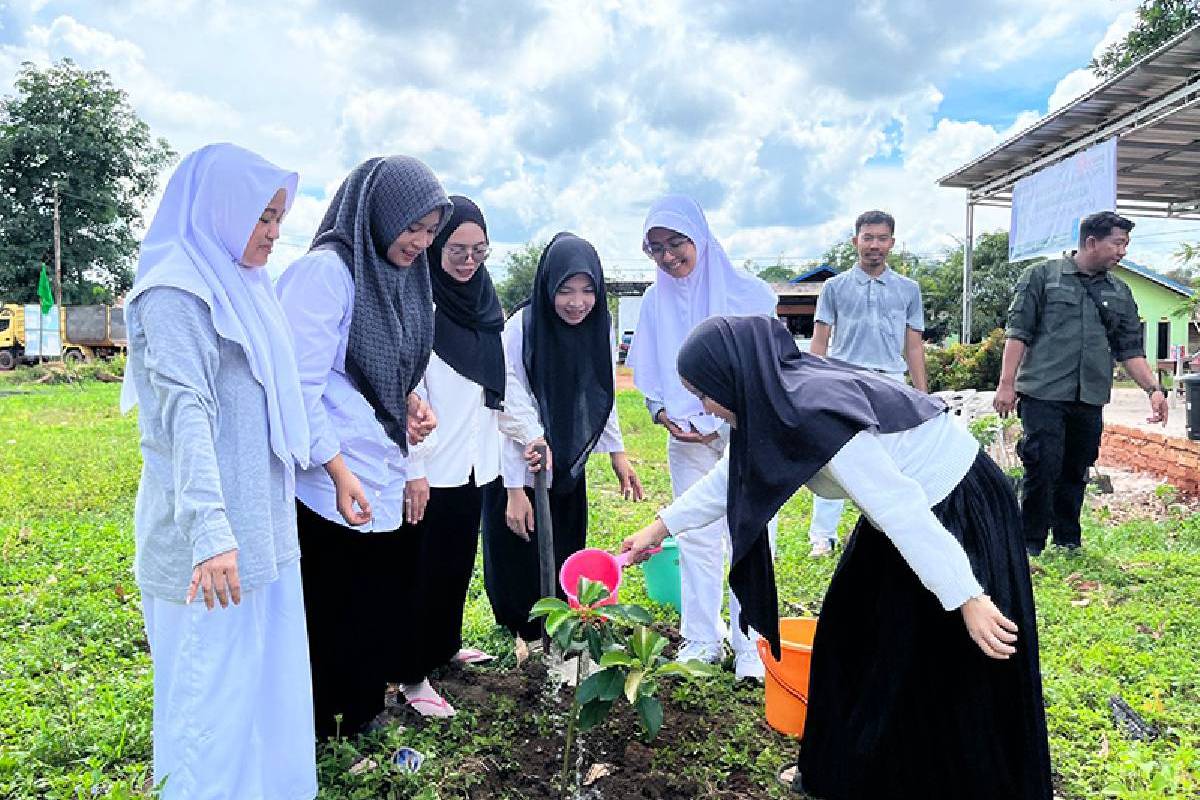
{"x": 1069, "y": 320}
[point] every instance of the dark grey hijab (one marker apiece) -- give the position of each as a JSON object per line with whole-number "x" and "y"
{"x": 391, "y": 328}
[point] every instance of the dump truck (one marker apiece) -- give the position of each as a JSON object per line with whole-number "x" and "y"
{"x": 76, "y": 333}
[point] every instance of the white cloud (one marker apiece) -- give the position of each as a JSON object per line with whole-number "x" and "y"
{"x": 1079, "y": 81}
{"x": 577, "y": 114}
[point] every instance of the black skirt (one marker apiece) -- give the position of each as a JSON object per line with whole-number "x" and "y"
{"x": 510, "y": 564}
{"x": 436, "y": 575}
{"x": 350, "y": 578}
{"x": 902, "y": 703}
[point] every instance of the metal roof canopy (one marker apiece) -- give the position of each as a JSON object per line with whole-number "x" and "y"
{"x": 1154, "y": 109}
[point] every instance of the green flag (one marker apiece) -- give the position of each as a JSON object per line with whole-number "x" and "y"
{"x": 45, "y": 294}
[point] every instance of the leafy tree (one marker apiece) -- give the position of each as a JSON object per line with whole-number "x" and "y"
{"x": 992, "y": 282}
{"x": 777, "y": 273}
{"x": 1157, "y": 22}
{"x": 842, "y": 255}
{"x": 73, "y": 129}
{"x": 520, "y": 267}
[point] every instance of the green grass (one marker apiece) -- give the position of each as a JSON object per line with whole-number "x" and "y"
{"x": 75, "y": 696}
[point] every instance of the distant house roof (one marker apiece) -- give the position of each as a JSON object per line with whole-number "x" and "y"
{"x": 821, "y": 273}
{"x": 1161, "y": 280}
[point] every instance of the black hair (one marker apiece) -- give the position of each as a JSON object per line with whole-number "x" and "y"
{"x": 875, "y": 218}
{"x": 1101, "y": 224}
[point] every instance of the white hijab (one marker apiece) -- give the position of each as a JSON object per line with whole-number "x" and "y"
{"x": 672, "y": 307}
{"x": 213, "y": 201}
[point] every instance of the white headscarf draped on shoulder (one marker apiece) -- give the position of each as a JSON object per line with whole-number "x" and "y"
{"x": 212, "y": 203}
{"x": 673, "y": 307}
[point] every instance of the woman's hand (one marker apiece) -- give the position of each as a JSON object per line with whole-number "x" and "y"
{"x": 217, "y": 576}
{"x": 631, "y": 487}
{"x": 416, "y": 497}
{"x": 647, "y": 538}
{"x": 691, "y": 437}
{"x": 533, "y": 459}
{"x": 992, "y": 631}
{"x": 519, "y": 514}
{"x": 421, "y": 419}
{"x": 349, "y": 491}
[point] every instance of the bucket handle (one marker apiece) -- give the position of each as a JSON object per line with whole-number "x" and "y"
{"x": 772, "y": 665}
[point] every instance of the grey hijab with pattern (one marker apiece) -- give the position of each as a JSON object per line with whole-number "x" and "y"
{"x": 391, "y": 327}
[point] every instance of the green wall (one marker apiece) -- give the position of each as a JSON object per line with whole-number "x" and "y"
{"x": 1156, "y": 303}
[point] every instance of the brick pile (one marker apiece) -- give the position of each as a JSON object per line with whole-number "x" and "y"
{"x": 1173, "y": 460}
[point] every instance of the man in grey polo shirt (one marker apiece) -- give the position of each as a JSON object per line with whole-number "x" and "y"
{"x": 876, "y": 318}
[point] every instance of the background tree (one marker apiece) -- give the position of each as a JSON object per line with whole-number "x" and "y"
{"x": 1157, "y": 22}
{"x": 993, "y": 279}
{"x": 777, "y": 273}
{"x": 73, "y": 129}
{"x": 519, "y": 268}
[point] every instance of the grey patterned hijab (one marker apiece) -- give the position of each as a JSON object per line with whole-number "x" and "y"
{"x": 391, "y": 328}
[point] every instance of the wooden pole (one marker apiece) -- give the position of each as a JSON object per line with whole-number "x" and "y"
{"x": 57, "y": 255}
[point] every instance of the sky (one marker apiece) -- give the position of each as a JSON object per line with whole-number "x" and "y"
{"x": 784, "y": 119}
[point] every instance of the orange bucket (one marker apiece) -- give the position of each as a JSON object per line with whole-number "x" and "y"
{"x": 787, "y": 679}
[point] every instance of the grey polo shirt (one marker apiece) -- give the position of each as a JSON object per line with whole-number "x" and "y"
{"x": 870, "y": 316}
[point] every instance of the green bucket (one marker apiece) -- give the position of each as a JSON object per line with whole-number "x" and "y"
{"x": 662, "y": 575}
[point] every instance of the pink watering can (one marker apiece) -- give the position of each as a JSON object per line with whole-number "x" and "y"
{"x": 595, "y": 565}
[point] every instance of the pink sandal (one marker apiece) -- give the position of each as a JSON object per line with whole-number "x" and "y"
{"x": 469, "y": 655}
{"x": 429, "y": 704}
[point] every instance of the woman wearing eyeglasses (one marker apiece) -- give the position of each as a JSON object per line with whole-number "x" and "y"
{"x": 464, "y": 384}
{"x": 695, "y": 281}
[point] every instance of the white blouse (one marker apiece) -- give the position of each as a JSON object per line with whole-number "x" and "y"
{"x": 317, "y": 293}
{"x": 467, "y": 437}
{"x": 895, "y": 479}
{"x": 521, "y": 422}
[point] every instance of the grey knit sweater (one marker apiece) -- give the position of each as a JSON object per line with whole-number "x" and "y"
{"x": 210, "y": 482}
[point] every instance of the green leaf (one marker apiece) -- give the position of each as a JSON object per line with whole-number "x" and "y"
{"x": 547, "y": 604}
{"x": 632, "y": 682}
{"x": 615, "y": 658}
{"x": 589, "y": 592}
{"x": 633, "y": 615}
{"x": 593, "y": 713}
{"x": 595, "y": 646}
{"x": 689, "y": 669}
{"x": 603, "y": 685}
{"x": 646, "y": 644}
{"x": 556, "y": 618}
{"x": 650, "y": 713}
{"x": 565, "y": 632}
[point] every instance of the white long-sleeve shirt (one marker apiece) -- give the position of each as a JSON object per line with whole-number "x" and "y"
{"x": 521, "y": 422}
{"x": 317, "y": 293}
{"x": 467, "y": 437}
{"x": 895, "y": 479}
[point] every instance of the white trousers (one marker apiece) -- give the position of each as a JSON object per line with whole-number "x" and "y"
{"x": 827, "y": 512}
{"x": 233, "y": 712}
{"x": 703, "y": 553}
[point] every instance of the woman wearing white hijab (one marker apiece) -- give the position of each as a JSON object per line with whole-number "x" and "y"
{"x": 223, "y": 425}
{"x": 695, "y": 281}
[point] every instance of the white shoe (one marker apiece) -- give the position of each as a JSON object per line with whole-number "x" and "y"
{"x": 708, "y": 652}
{"x": 821, "y": 548}
{"x": 747, "y": 665}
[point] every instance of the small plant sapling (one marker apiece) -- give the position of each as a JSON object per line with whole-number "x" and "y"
{"x": 629, "y": 653}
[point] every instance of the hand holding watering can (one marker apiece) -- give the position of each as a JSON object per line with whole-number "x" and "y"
{"x": 645, "y": 543}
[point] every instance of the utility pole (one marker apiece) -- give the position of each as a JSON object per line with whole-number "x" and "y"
{"x": 57, "y": 254}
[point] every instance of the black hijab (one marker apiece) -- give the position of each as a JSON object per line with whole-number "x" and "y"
{"x": 795, "y": 411}
{"x": 391, "y": 327}
{"x": 467, "y": 319}
{"x": 569, "y": 366}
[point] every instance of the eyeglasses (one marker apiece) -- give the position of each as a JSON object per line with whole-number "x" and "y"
{"x": 458, "y": 253}
{"x": 676, "y": 244}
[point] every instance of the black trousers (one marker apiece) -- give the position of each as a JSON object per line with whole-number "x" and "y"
{"x": 349, "y": 577}
{"x": 436, "y": 573}
{"x": 1061, "y": 440}
{"x": 510, "y": 564}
